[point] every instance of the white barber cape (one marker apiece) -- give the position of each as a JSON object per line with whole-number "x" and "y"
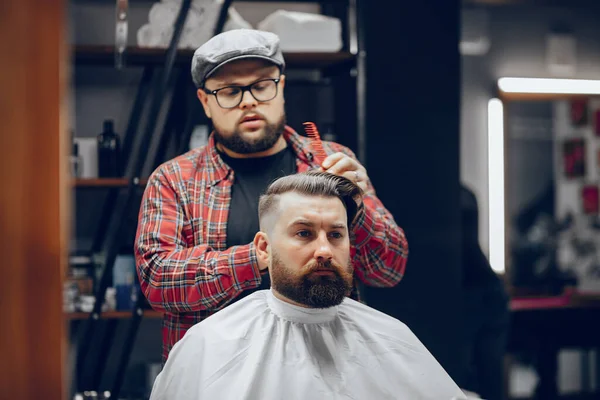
{"x": 261, "y": 348}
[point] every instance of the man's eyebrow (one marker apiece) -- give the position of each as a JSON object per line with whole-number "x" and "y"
{"x": 220, "y": 83}
{"x": 304, "y": 222}
{"x": 260, "y": 76}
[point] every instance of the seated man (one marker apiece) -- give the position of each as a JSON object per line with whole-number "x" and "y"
{"x": 303, "y": 338}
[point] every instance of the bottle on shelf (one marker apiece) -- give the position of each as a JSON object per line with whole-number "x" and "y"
{"x": 76, "y": 162}
{"x": 109, "y": 152}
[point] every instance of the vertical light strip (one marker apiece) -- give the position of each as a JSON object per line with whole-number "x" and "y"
{"x": 496, "y": 184}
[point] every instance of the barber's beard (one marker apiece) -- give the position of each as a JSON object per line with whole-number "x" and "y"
{"x": 311, "y": 290}
{"x": 236, "y": 142}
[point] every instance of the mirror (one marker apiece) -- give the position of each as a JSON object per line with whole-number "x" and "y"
{"x": 551, "y": 192}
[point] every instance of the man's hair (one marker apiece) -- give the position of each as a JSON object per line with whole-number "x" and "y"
{"x": 314, "y": 183}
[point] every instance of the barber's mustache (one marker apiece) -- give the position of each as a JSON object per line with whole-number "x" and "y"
{"x": 253, "y": 114}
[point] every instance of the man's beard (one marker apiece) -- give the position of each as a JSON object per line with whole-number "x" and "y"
{"x": 235, "y": 140}
{"x": 315, "y": 291}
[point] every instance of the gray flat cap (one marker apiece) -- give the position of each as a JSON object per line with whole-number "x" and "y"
{"x": 234, "y": 45}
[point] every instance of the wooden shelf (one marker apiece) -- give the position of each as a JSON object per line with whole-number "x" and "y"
{"x": 111, "y": 2}
{"x": 570, "y": 298}
{"x": 105, "y": 182}
{"x": 138, "y": 56}
{"x": 112, "y": 315}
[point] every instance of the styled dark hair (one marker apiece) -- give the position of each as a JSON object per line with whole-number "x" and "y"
{"x": 315, "y": 183}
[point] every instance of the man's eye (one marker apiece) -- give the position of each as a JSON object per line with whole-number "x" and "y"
{"x": 230, "y": 92}
{"x": 260, "y": 85}
{"x": 336, "y": 235}
{"x": 304, "y": 234}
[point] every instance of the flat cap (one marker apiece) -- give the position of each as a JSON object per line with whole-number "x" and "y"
{"x": 234, "y": 45}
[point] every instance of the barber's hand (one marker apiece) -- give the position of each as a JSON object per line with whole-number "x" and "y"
{"x": 343, "y": 165}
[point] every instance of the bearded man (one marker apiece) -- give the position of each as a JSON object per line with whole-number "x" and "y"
{"x": 304, "y": 338}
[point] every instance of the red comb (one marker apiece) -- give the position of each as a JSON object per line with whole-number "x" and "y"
{"x": 313, "y": 133}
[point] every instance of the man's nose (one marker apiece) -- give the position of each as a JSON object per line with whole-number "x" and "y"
{"x": 323, "y": 251}
{"x": 248, "y": 101}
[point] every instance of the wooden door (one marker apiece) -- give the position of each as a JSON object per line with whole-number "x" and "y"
{"x": 34, "y": 191}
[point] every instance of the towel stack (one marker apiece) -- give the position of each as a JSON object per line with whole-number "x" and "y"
{"x": 199, "y": 25}
{"x": 300, "y": 31}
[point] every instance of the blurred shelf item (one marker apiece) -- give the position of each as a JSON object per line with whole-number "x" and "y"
{"x": 105, "y": 182}
{"x": 112, "y": 315}
{"x": 139, "y": 56}
{"x": 75, "y": 260}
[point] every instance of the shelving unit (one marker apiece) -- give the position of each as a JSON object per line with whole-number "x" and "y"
{"x": 143, "y": 143}
{"x": 106, "y": 182}
{"x": 140, "y": 56}
{"x": 112, "y": 315}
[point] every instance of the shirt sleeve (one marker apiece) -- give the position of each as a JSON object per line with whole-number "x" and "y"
{"x": 177, "y": 277}
{"x": 380, "y": 249}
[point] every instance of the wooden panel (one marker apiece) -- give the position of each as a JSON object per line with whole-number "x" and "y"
{"x": 33, "y": 199}
{"x": 413, "y": 160}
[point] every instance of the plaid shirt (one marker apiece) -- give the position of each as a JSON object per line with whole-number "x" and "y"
{"x": 184, "y": 267}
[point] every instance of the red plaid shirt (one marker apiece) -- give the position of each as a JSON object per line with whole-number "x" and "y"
{"x": 184, "y": 267}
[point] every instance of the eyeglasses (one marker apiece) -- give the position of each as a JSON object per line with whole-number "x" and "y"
{"x": 231, "y": 96}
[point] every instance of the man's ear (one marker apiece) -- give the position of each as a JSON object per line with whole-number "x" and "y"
{"x": 282, "y": 81}
{"x": 203, "y": 97}
{"x": 282, "y": 85}
{"x": 261, "y": 245}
